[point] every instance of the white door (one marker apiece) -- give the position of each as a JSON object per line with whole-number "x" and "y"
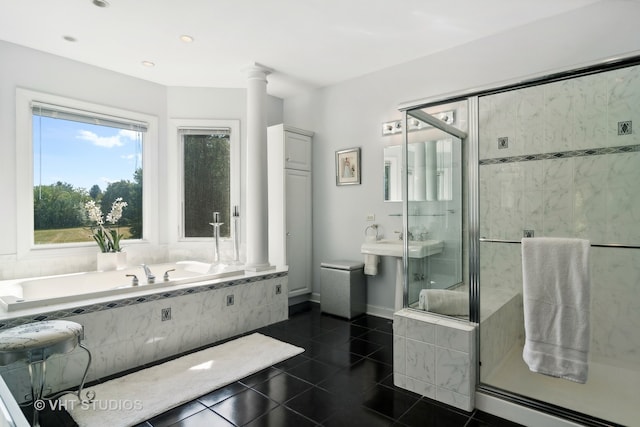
{"x": 298, "y": 232}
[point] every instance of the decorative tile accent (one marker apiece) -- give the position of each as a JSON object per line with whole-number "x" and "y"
{"x": 74, "y": 311}
{"x": 625, "y": 128}
{"x": 562, "y": 154}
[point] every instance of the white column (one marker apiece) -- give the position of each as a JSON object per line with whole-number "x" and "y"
{"x": 419, "y": 172}
{"x": 256, "y": 172}
{"x": 431, "y": 166}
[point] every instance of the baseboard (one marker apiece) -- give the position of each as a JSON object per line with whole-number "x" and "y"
{"x": 373, "y": 310}
{"x": 385, "y": 312}
{"x": 299, "y": 299}
{"x": 315, "y": 297}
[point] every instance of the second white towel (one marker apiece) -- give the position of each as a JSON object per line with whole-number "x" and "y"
{"x": 371, "y": 264}
{"x": 443, "y": 301}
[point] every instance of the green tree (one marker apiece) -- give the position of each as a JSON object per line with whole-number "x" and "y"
{"x": 135, "y": 207}
{"x": 58, "y": 205}
{"x": 207, "y": 176}
{"x": 95, "y": 192}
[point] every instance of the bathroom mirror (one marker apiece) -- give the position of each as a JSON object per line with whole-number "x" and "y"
{"x": 429, "y": 171}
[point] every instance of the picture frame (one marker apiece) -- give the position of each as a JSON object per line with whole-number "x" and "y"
{"x": 348, "y": 166}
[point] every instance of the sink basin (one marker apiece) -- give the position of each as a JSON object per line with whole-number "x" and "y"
{"x": 394, "y": 247}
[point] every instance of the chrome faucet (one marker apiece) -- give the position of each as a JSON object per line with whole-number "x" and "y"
{"x": 151, "y": 278}
{"x": 401, "y": 236}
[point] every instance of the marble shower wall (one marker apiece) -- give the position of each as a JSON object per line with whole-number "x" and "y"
{"x": 130, "y": 336}
{"x": 571, "y": 169}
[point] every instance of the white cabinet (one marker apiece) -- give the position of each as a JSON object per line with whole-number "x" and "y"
{"x": 297, "y": 151}
{"x": 289, "y": 175}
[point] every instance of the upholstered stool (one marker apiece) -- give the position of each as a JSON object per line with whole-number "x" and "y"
{"x": 35, "y": 343}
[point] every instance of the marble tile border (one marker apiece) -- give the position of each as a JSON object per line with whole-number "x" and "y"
{"x": 562, "y": 154}
{"x": 116, "y": 303}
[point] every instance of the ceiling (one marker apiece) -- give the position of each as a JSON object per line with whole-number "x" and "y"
{"x": 308, "y": 43}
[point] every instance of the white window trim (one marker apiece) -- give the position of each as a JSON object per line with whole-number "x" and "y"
{"x": 175, "y": 152}
{"x": 24, "y": 173}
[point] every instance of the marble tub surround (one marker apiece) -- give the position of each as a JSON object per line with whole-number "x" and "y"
{"x": 435, "y": 357}
{"x": 131, "y": 332}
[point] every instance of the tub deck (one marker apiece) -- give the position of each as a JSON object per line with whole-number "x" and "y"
{"x": 41, "y": 292}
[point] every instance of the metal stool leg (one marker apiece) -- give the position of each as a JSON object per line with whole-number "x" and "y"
{"x": 90, "y": 395}
{"x": 37, "y": 373}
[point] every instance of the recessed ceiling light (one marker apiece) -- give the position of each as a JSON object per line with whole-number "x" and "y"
{"x": 70, "y": 39}
{"x": 186, "y": 38}
{"x": 101, "y": 3}
{"x": 148, "y": 64}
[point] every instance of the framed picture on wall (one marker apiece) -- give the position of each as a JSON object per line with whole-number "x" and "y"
{"x": 348, "y": 166}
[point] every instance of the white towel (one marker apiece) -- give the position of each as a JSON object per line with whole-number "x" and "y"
{"x": 371, "y": 264}
{"x": 443, "y": 301}
{"x": 556, "y": 285}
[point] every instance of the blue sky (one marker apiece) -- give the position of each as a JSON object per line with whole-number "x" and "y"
{"x": 83, "y": 154}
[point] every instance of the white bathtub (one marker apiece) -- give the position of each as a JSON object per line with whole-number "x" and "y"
{"x": 44, "y": 291}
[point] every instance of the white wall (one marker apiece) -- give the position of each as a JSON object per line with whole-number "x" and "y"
{"x": 38, "y": 71}
{"x": 350, "y": 115}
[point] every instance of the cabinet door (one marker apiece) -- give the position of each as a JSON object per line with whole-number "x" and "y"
{"x": 298, "y": 232}
{"x": 297, "y": 151}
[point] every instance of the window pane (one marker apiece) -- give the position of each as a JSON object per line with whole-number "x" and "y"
{"x": 75, "y": 162}
{"x": 207, "y": 174}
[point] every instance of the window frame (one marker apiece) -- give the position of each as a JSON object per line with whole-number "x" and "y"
{"x": 235, "y": 177}
{"x": 24, "y": 172}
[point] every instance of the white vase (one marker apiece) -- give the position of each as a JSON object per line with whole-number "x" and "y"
{"x": 108, "y": 261}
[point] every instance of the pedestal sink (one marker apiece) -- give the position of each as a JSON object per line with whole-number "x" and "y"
{"x": 394, "y": 248}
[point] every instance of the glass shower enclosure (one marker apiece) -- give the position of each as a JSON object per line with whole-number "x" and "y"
{"x": 555, "y": 156}
{"x": 558, "y": 158}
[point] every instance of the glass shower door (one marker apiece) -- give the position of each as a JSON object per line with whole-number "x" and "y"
{"x": 434, "y": 210}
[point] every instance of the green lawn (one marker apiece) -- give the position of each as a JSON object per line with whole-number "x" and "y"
{"x": 70, "y": 235}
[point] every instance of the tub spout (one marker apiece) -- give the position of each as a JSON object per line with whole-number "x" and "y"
{"x": 151, "y": 278}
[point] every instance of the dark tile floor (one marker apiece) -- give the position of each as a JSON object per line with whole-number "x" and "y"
{"x": 344, "y": 378}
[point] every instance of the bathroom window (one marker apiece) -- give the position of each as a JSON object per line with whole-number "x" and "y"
{"x": 210, "y": 177}
{"x": 70, "y": 152}
{"x": 79, "y": 157}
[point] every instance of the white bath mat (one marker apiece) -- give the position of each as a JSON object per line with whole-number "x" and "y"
{"x": 136, "y": 397}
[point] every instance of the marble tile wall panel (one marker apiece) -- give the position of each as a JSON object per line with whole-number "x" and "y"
{"x": 435, "y": 357}
{"x": 572, "y": 114}
{"x": 595, "y": 197}
{"x": 615, "y": 307}
{"x": 126, "y": 337}
{"x": 615, "y": 299}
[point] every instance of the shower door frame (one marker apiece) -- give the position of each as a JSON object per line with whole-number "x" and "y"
{"x": 417, "y": 113}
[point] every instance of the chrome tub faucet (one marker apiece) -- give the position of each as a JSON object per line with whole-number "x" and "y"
{"x": 151, "y": 278}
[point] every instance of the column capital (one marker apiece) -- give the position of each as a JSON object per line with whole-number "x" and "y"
{"x": 256, "y": 70}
